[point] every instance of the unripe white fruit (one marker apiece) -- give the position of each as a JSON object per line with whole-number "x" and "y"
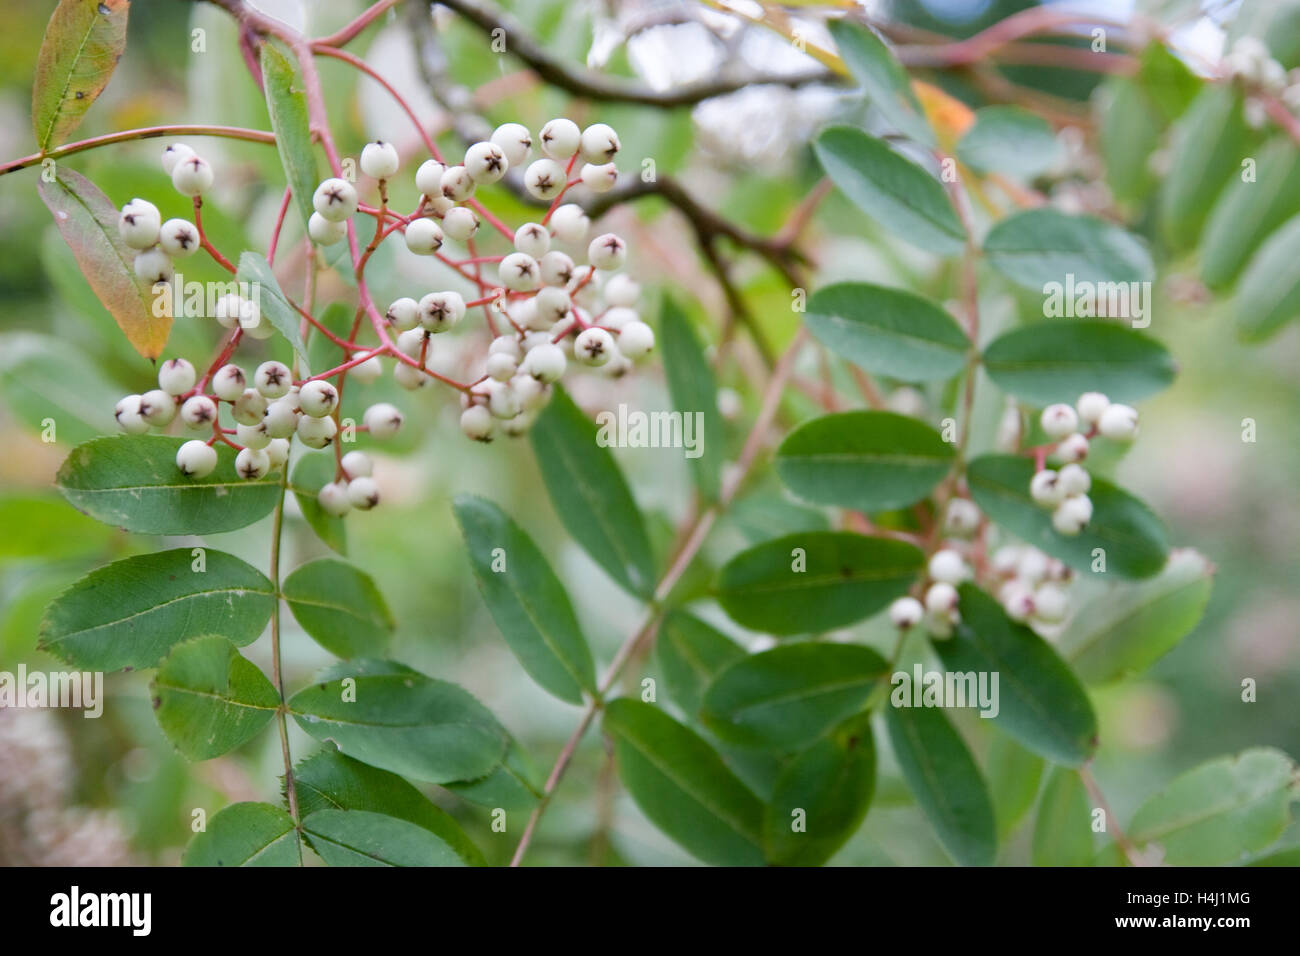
{"x": 404, "y": 313}
{"x": 1051, "y": 603}
{"x": 139, "y": 224}
{"x": 281, "y": 418}
{"x": 176, "y": 376}
{"x": 335, "y": 199}
{"x": 527, "y": 315}
{"x": 1072, "y": 448}
{"x": 457, "y": 184}
{"x": 1018, "y": 602}
{"x": 906, "y": 612}
{"x": 273, "y": 379}
{"x": 1005, "y": 559}
{"x": 229, "y": 383}
{"x": 333, "y": 499}
{"x": 532, "y": 239}
{"x": 278, "y": 452}
{"x": 570, "y": 224}
{"x": 252, "y": 436}
{"x": 154, "y": 266}
{"x": 1032, "y": 564}
{"x": 636, "y": 340}
{"x": 618, "y": 318}
{"x": 357, "y": 464}
{"x": 179, "y": 238}
{"x": 316, "y": 432}
{"x": 325, "y": 232}
{"x": 409, "y": 377}
{"x": 173, "y": 154}
{"x": 544, "y": 178}
{"x": 582, "y": 289}
{"x": 428, "y": 178}
{"x": 1072, "y": 515}
{"x": 192, "y": 176}
{"x": 560, "y": 138}
{"x": 252, "y": 464}
{"x": 379, "y": 160}
{"x": 382, "y": 420}
{"x": 545, "y": 362}
{"x": 552, "y": 304}
{"x": 594, "y": 347}
{"x": 532, "y": 392}
{"x": 1119, "y": 423}
{"x": 318, "y": 398}
{"x": 1059, "y": 420}
{"x": 514, "y": 141}
{"x": 1074, "y": 480}
{"x": 460, "y": 222}
{"x": 506, "y": 345}
{"x": 501, "y": 366}
{"x": 363, "y": 493}
{"x": 519, "y": 272}
{"x": 250, "y": 407}
{"x": 368, "y": 371}
{"x": 1045, "y": 488}
{"x": 129, "y": 419}
{"x": 1091, "y": 406}
{"x": 198, "y": 411}
{"x": 599, "y": 179}
{"x": 947, "y": 565}
{"x": 622, "y": 290}
{"x": 197, "y": 459}
{"x": 941, "y": 598}
{"x": 519, "y": 425}
{"x": 411, "y": 342}
{"x": 439, "y": 311}
{"x": 423, "y": 237}
{"x": 477, "y": 423}
{"x": 228, "y": 309}
{"x": 599, "y": 144}
{"x": 607, "y": 252}
{"x": 486, "y": 162}
{"x": 961, "y": 517}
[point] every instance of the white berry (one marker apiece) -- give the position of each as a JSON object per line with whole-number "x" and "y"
{"x": 335, "y": 199}
{"x": 129, "y": 418}
{"x": 278, "y": 452}
{"x": 423, "y": 237}
{"x": 154, "y": 266}
{"x": 192, "y": 176}
{"x": 316, "y": 432}
{"x": 273, "y": 379}
{"x": 379, "y": 160}
{"x": 333, "y": 499}
{"x": 622, "y": 290}
{"x": 607, "y": 252}
{"x": 173, "y": 154}
{"x": 404, "y": 313}
{"x": 197, "y": 459}
{"x": 556, "y": 268}
{"x": 457, "y": 184}
{"x": 1074, "y": 480}
{"x": 1072, "y": 515}
{"x": 599, "y": 179}
{"x": 545, "y": 362}
{"x": 252, "y": 436}
{"x": 252, "y": 463}
{"x": 1045, "y": 488}
{"x": 636, "y": 340}
{"x": 318, "y": 398}
{"x": 179, "y": 238}
{"x": 1119, "y": 423}
{"x": 428, "y": 178}
{"x": 599, "y": 143}
{"x": 281, "y": 418}
{"x": 1051, "y": 603}
{"x": 476, "y": 422}
{"x": 519, "y": 272}
{"x": 363, "y": 493}
{"x": 906, "y": 612}
{"x": 439, "y": 311}
{"x": 532, "y": 239}
{"x": 514, "y": 141}
{"x": 229, "y": 383}
{"x": 1059, "y": 420}
{"x": 570, "y": 224}
{"x": 1091, "y": 406}
{"x": 560, "y": 138}
{"x": 382, "y": 420}
{"x": 368, "y": 371}
{"x": 198, "y": 410}
{"x": 460, "y": 222}
{"x": 961, "y": 517}
{"x": 594, "y": 347}
{"x": 545, "y": 178}
{"x": 326, "y": 232}
{"x": 486, "y": 162}
{"x": 1072, "y": 448}
{"x": 139, "y": 224}
{"x": 176, "y": 376}
{"x": 941, "y": 598}
{"x": 500, "y": 366}
{"x": 250, "y": 407}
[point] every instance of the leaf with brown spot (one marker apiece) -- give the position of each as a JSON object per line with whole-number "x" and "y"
{"x": 83, "y": 42}
{"x": 88, "y": 223}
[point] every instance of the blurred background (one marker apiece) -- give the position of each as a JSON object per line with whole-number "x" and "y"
{"x": 110, "y": 791}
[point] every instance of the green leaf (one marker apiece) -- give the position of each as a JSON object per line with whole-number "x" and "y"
{"x": 1038, "y": 247}
{"x": 395, "y": 718}
{"x": 1166, "y": 79}
{"x": 841, "y": 578}
{"x": 363, "y": 838}
{"x": 1268, "y": 294}
{"x": 1128, "y": 629}
{"x": 210, "y": 700}
{"x": 865, "y": 460}
{"x": 694, "y": 391}
{"x": 527, "y": 600}
{"x": 1222, "y": 810}
{"x": 1248, "y": 212}
{"x": 829, "y": 786}
{"x": 1013, "y": 774}
{"x": 132, "y": 612}
{"x": 882, "y": 78}
{"x": 1208, "y": 141}
{"x": 82, "y": 45}
{"x": 1039, "y": 700}
{"x": 887, "y": 331}
{"x": 132, "y": 481}
{"x": 43, "y": 528}
{"x": 286, "y": 102}
{"x": 256, "y": 271}
{"x": 1132, "y": 539}
{"x": 327, "y": 780}
{"x": 312, "y": 473}
{"x": 590, "y": 494}
{"x": 1063, "y": 828}
{"x": 340, "y": 606}
{"x": 87, "y": 221}
{"x": 44, "y": 380}
{"x": 683, "y": 786}
{"x": 946, "y": 782}
{"x": 246, "y": 834}
{"x": 1010, "y": 140}
{"x": 1057, "y": 361}
{"x": 1129, "y": 132}
{"x": 890, "y": 188}
{"x": 690, "y": 654}
{"x": 787, "y": 697}
{"x": 513, "y": 785}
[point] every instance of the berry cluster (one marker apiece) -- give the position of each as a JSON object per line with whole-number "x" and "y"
{"x": 1065, "y": 490}
{"x": 1032, "y": 586}
{"x": 1251, "y": 62}
{"x": 542, "y": 310}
